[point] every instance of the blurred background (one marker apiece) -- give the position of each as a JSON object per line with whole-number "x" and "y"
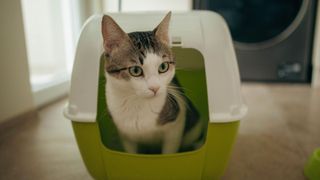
{"x": 277, "y": 44}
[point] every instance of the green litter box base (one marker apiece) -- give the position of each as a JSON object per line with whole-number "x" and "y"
{"x": 100, "y": 145}
{"x": 208, "y": 162}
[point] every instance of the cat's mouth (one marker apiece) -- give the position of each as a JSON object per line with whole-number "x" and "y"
{"x": 153, "y": 95}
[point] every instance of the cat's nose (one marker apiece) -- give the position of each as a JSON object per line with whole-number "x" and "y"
{"x": 154, "y": 89}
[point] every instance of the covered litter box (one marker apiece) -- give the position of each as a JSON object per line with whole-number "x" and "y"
{"x": 206, "y": 67}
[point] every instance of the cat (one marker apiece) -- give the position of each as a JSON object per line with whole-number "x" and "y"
{"x": 144, "y": 98}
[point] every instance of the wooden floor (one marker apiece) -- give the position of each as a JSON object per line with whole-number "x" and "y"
{"x": 275, "y": 139}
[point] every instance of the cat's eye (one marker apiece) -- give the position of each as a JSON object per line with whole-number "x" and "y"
{"x": 164, "y": 67}
{"x": 135, "y": 71}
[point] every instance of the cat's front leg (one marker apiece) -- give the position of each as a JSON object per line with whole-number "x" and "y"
{"x": 171, "y": 143}
{"x": 129, "y": 146}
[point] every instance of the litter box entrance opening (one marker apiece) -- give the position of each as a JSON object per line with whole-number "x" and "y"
{"x": 191, "y": 76}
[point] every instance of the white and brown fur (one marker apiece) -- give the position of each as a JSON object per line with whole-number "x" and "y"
{"x": 149, "y": 109}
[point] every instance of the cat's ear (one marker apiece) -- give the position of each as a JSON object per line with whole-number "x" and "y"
{"x": 162, "y": 30}
{"x": 113, "y": 35}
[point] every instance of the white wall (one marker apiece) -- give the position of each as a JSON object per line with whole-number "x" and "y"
{"x": 146, "y": 5}
{"x": 156, "y": 5}
{"x": 15, "y": 90}
{"x": 88, "y": 8}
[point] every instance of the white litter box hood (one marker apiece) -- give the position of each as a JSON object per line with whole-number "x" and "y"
{"x": 202, "y": 30}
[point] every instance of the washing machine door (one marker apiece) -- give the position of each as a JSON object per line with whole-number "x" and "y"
{"x": 261, "y": 29}
{"x": 260, "y": 23}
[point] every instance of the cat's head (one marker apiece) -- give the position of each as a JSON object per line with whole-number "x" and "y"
{"x": 139, "y": 62}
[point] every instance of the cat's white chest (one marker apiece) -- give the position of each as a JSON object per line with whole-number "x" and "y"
{"x": 137, "y": 120}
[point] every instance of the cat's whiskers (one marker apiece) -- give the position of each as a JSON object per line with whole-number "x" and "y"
{"x": 178, "y": 88}
{"x": 178, "y": 95}
{"x": 171, "y": 99}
